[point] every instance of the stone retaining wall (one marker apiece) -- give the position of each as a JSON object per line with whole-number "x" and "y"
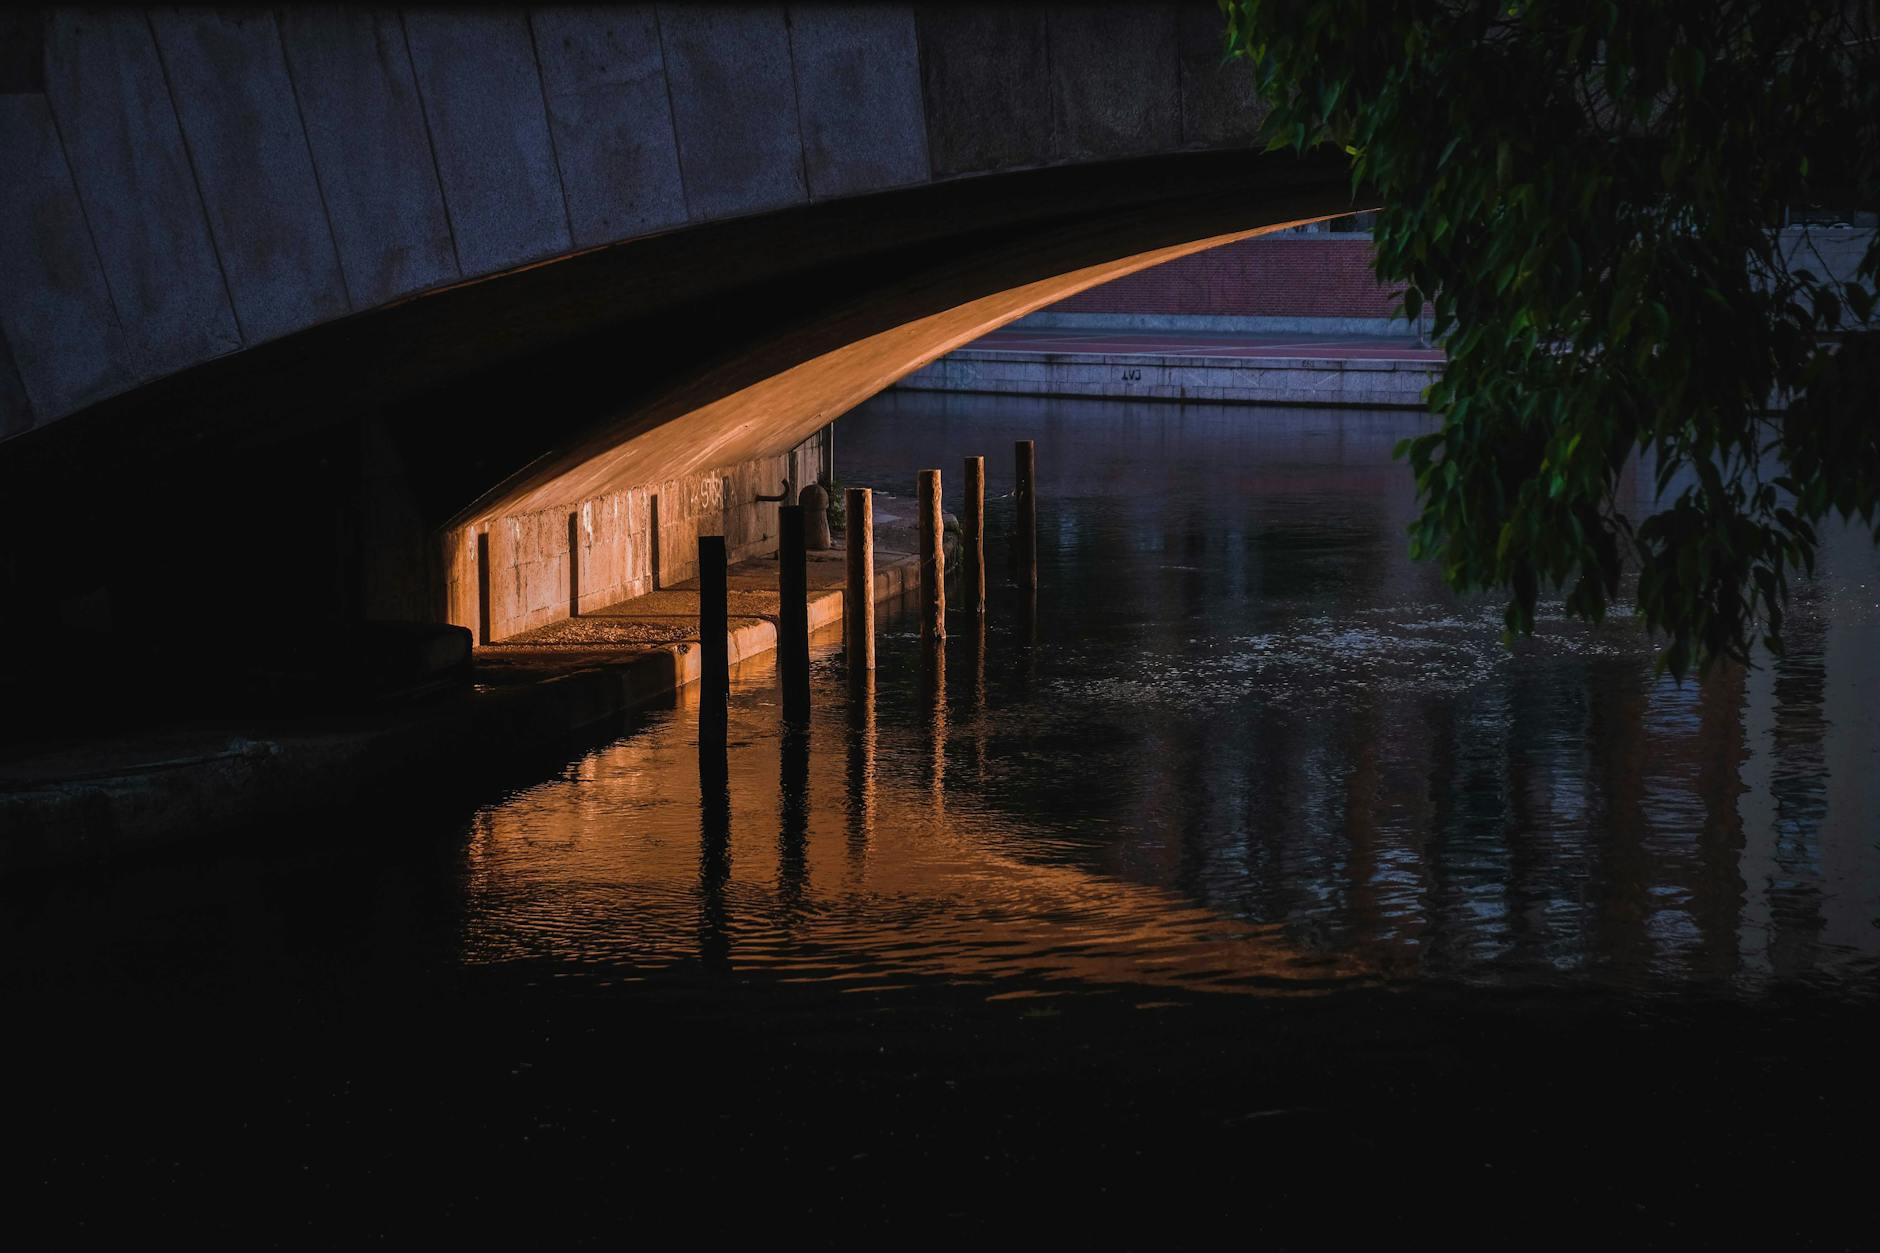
{"x": 1259, "y": 380}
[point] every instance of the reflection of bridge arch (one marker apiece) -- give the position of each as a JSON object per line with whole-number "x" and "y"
{"x": 267, "y": 384}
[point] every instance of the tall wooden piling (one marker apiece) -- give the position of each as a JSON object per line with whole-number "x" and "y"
{"x": 714, "y": 671}
{"x": 793, "y": 808}
{"x": 792, "y": 614}
{"x": 1025, "y": 457}
{"x": 858, "y": 594}
{"x": 973, "y": 536}
{"x": 574, "y": 565}
{"x": 933, "y": 559}
{"x": 483, "y": 587}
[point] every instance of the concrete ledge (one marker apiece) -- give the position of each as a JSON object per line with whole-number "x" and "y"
{"x": 95, "y": 802}
{"x": 1233, "y": 323}
{"x": 1366, "y": 382}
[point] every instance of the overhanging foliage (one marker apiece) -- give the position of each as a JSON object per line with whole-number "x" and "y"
{"x": 1586, "y": 197}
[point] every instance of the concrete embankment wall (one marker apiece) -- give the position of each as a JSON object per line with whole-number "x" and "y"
{"x": 1232, "y": 323}
{"x": 551, "y": 563}
{"x": 1248, "y": 380}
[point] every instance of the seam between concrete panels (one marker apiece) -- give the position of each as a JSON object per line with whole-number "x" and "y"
{"x": 91, "y": 234}
{"x": 319, "y": 186}
{"x": 195, "y": 177}
{"x": 424, "y": 115}
{"x": 1050, "y": 92}
{"x": 548, "y": 125}
{"x": 1181, "y": 86}
{"x": 926, "y": 103}
{"x": 796, "y": 97}
{"x": 672, "y": 112}
{"x": 920, "y": 85}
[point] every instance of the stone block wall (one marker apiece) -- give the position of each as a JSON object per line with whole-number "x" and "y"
{"x": 616, "y": 545}
{"x": 1357, "y": 382}
{"x": 1272, "y": 276}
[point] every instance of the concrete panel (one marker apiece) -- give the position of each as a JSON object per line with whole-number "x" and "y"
{"x": 733, "y": 108}
{"x": 1219, "y": 107}
{"x": 365, "y": 127}
{"x": 106, "y": 87}
{"x": 985, "y": 76}
{"x": 228, "y": 79}
{"x": 483, "y": 97}
{"x": 55, "y": 310}
{"x": 858, "y": 97}
{"x": 1115, "y": 80}
{"x": 606, "y": 83}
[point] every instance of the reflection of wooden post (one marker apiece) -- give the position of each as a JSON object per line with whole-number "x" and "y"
{"x": 714, "y": 854}
{"x": 933, "y": 678}
{"x": 933, "y": 560}
{"x": 973, "y": 536}
{"x": 979, "y": 694}
{"x": 858, "y": 596}
{"x": 714, "y": 668}
{"x": 1026, "y": 495}
{"x": 861, "y": 758}
{"x": 793, "y": 806}
{"x": 792, "y": 614}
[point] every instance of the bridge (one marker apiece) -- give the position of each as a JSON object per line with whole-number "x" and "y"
{"x": 306, "y": 315}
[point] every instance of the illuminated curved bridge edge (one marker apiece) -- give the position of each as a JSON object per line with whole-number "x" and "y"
{"x": 304, "y": 338}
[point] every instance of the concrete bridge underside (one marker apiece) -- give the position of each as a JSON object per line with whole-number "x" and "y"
{"x": 310, "y": 301}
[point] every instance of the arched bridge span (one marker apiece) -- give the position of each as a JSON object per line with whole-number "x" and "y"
{"x": 310, "y": 299}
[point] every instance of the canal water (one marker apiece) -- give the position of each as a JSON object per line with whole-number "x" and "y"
{"x": 1239, "y": 742}
{"x": 1244, "y": 877}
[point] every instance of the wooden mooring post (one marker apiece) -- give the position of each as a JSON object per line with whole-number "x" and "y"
{"x": 714, "y": 670}
{"x": 933, "y": 560}
{"x": 792, "y": 614}
{"x": 973, "y": 536}
{"x": 1025, "y": 457}
{"x": 574, "y": 565}
{"x": 858, "y": 594}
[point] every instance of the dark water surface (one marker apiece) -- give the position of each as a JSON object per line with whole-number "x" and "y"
{"x": 1244, "y": 878}
{"x": 1240, "y": 742}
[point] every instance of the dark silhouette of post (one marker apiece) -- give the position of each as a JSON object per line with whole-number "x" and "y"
{"x": 792, "y": 614}
{"x": 714, "y": 668}
{"x": 973, "y": 536}
{"x": 1026, "y": 494}
{"x": 652, "y": 543}
{"x": 858, "y": 595}
{"x": 933, "y": 560}
{"x": 483, "y": 587}
{"x": 574, "y": 565}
